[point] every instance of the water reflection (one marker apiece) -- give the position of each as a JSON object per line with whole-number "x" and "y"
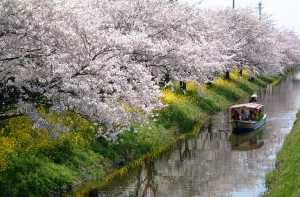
{"x": 247, "y": 141}
{"x": 217, "y": 163}
{"x": 138, "y": 183}
{"x": 149, "y": 189}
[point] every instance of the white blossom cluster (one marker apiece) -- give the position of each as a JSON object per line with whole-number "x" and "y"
{"x": 103, "y": 59}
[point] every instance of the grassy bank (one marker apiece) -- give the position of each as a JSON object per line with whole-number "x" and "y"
{"x": 284, "y": 180}
{"x": 33, "y": 163}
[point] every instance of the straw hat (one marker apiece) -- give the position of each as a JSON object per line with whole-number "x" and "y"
{"x": 254, "y": 95}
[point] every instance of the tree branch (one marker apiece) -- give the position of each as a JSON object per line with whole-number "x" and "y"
{"x": 5, "y": 117}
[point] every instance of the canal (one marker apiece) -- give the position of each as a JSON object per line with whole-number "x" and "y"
{"x": 217, "y": 163}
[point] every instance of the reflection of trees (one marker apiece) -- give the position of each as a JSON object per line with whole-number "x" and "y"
{"x": 137, "y": 184}
{"x": 97, "y": 193}
{"x": 186, "y": 152}
{"x": 149, "y": 187}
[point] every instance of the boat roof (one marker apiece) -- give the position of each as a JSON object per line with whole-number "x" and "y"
{"x": 248, "y": 105}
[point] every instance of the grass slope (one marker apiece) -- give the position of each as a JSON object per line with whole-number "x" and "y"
{"x": 284, "y": 180}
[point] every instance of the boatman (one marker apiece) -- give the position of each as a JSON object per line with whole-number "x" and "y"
{"x": 253, "y": 98}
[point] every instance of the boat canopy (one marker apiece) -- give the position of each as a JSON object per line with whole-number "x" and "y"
{"x": 247, "y": 105}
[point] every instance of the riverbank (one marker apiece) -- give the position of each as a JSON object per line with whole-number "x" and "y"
{"x": 31, "y": 165}
{"x": 284, "y": 181}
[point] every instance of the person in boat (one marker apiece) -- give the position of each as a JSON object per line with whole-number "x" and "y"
{"x": 254, "y": 115}
{"x": 235, "y": 115}
{"x": 250, "y": 113}
{"x": 244, "y": 115}
{"x": 253, "y": 99}
{"x": 260, "y": 115}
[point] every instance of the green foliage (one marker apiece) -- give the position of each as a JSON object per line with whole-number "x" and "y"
{"x": 207, "y": 104}
{"x": 33, "y": 164}
{"x": 32, "y": 176}
{"x": 37, "y": 175}
{"x": 133, "y": 144}
{"x": 227, "y": 92}
{"x": 264, "y": 81}
{"x": 245, "y": 85}
{"x": 259, "y": 82}
{"x": 267, "y": 79}
{"x": 61, "y": 149}
{"x": 182, "y": 112}
{"x": 175, "y": 116}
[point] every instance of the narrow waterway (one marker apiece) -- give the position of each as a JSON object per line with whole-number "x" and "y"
{"x": 217, "y": 163}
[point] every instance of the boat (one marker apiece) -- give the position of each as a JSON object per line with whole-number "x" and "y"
{"x": 247, "y": 117}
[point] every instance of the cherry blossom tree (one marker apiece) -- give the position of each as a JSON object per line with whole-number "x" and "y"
{"x": 54, "y": 55}
{"x": 104, "y": 59}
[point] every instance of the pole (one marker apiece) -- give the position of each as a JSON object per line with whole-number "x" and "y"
{"x": 260, "y": 8}
{"x": 233, "y": 4}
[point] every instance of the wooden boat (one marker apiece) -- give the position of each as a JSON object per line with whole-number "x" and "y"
{"x": 256, "y": 117}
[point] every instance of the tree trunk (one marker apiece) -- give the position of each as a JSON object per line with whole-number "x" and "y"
{"x": 241, "y": 72}
{"x": 5, "y": 117}
{"x": 227, "y": 75}
{"x": 182, "y": 85}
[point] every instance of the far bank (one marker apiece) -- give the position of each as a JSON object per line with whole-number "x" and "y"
{"x": 284, "y": 180}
